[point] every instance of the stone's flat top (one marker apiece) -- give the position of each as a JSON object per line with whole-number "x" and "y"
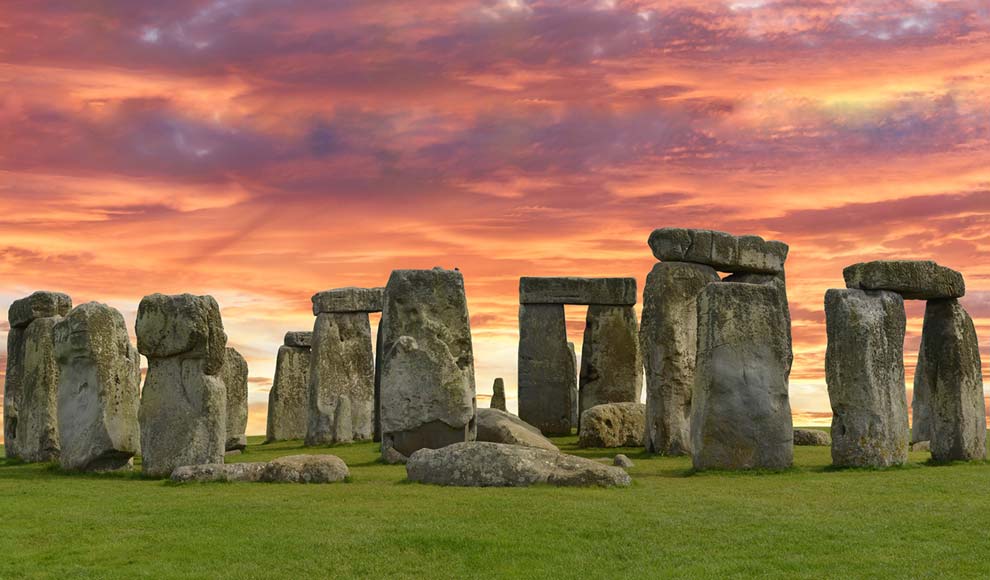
{"x": 302, "y": 338}
{"x": 41, "y": 304}
{"x": 570, "y": 290}
{"x": 350, "y": 299}
{"x": 720, "y": 250}
{"x": 914, "y": 280}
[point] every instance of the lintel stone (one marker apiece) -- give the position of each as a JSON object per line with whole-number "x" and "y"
{"x": 570, "y": 290}
{"x": 350, "y": 299}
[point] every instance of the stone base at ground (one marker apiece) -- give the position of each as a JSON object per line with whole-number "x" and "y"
{"x": 613, "y": 425}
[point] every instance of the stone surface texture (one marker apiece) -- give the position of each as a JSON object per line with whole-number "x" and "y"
{"x": 340, "y": 300}
{"x": 497, "y": 426}
{"x": 622, "y": 461}
{"x": 547, "y": 379}
{"x": 299, "y": 338}
{"x": 723, "y": 252}
{"x": 611, "y": 368}
{"x": 306, "y": 469}
{"x": 498, "y": 395}
{"x": 914, "y": 280}
{"x": 229, "y": 472}
{"x": 609, "y": 291}
{"x": 288, "y": 401}
{"x": 34, "y": 413}
{"x": 613, "y": 425}
{"x": 812, "y": 437}
{"x": 182, "y": 325}
{"x": 41, "y": 304}
{"x": 234, "y": 374}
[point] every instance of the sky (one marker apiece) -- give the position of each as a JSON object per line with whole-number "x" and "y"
{"x": 261, "y": 151}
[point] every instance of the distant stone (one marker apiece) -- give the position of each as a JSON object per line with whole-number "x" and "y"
{"x": 914, "y": 280}
{"x": 182, "y": 325}
{"x": 608, "y": 291}
{"x": 288, "y": 401}
{"x": 483, "y": 464}
{"x": 41, "y": 304}
{"x": 392, "y": 457}
{"x": 498, "y": 395}
{"x": 613, "y": 425}
{"x": 573, "y": 387}
{"x": 547, "y": 379}
{"x": 232, "y": 453}
{"x": 306, "y": 469}
{"x": 349, "y": 299}
{"x": 622, "y": 461}
{"x": 235, "y": 378}
{"x": 864, "y": 371}
{"x": 99, "y": 390}
{"x": 919, "y": 446}
{"x": 723, "y": 252}
{"x": 231, "y": 472}
{"x": 300, "y": 338}
{"x": 498, "y": 426}
{"x": 812, "y": 437}
{"x": 611, "y": 367}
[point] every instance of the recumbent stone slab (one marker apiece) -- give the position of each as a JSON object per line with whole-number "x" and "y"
{"x": 570, "y": 290}
{"x": 288, "y": 401}
{"x": 914, "y": 280}
{"x": 611, "y": 368}
{"x": 722, "y": 251}
{"x": 234, "y": 374}
{"x": 547, "y": 378}
{"x": 349, "y": 299}
{"x": 502, "y": 427}
{"x": 613, "y": 425}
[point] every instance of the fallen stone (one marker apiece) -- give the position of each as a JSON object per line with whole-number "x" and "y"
{"x": 341, "y": 300}
{"x": 622, "y": 461}
{"x": 234, "y": 374}
{"x": 613, "y": 425}
{"x": 607, "y": 291}
{"x": 483, "y": 464}
{"x": 864, "y": 371}
{"x": 668, "y": 338}
{"x": 740, "y": 410}
{"x": 231, "y": 472}
{"x": 427, "y": 386}
{"x": 392, "y": 457}
{"x": 723, "y": 252}
{"x": 300, "y": 338}
{"x": 920, "y": 446}
{"x": 35, "y": 409}
{"x": 950, "y": 376}
{"x": 288, "y": 401}
{"x": 41, "y": 304}
{"x": 498, "y": 395}
{"x": 611, "y": 368}
{"x": 547, "y": 379}
{"x": 306, "y": 469}
{"x": 914, "y": 280}
{"x": 98, "y": 390}
{"x": 812, "y": 437}
{"x": 498, "y": 426}
{"x": 182, "y": 325}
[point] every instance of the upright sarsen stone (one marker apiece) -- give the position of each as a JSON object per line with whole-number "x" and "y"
{"x": 740, "y": 409}
{"x": 427, "y": 386}
{"x": 669, "y": 343}
{"x": 288, "y": 401}
{"x": 498, "y": 395}
{"x": 235, "y": 379}
{"x": 611, "y": 368}
{"x": 864, "y": 370}
{"x": 547, "y": 377}
{"x": 98, "y": 392}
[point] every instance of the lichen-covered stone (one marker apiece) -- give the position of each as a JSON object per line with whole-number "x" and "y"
{"x": 613, "y": 425}
{"x": 914, "y": 280}
{"x": 300, "y": 338}
{"x": 498, "y": 395}
{"x": 35, "y": 423}
{"x": 182, "y": 325}
{"x": 569, "y": 290}
{"x": 235, "y": 378}
{"x": 288, "y": 401}
{"x": 723, "y": 252}
{"x": 622, "y": 461}
{"x": 740, "y": 409}
{"x": 98, "y": 392}
{"x": 812, "y": 437}
{"x": 351, "y": 299}
{"x": 611, "y": 368}
{"x": 547, "y": 379}
{"x": 341, "y": 380}
{"x": 427, "y": 385}
{"x": 41, "y": 304}
{"x": 864, "y": 371}
{"x": 13, "y": 380}
{"x": 501, "y": 427}
{"x": 230, "y": 472}
{"x": 483, "y": 464}
{"x": 669, "y": 343}
{"x": 305, "y": 469}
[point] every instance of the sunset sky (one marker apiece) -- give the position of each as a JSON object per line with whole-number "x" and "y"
{"x": 262, "y": 151}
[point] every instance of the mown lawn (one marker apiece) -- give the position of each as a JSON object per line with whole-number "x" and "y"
{"x": 919, "y": 521}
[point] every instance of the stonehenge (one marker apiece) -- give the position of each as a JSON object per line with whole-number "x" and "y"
{"x": 235, "y": 379}
{"x": 610, "y": 363}
{"x": 498, "y": 395}
{"x": 98, "y": 390}
{"x": 427, "y": 368}
{"x": 183, "y": 412}
{"x": 288, "y": 400}
{"x": 342, "y": 367}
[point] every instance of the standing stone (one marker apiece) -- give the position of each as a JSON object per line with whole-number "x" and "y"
{"x": 427, "y": 389}
{"x": 575, "y": 398}
{"x": 183, "y": 411}
{"x": 498, "y": 395}
{"x": 235, "y": 378}
{"x": 740, "y": 410}
{"x": 611, "y": 368}
{"x": 12, "y": 390}
{"x": 669, "y": 342}
{"x": 547, "y": 377}
{"x": 98, "y": 389}
{"x": 377, "y": 436}
{"x": 864, "y": 370}
{"x": 288, "y": 401}
{"x": 950, "y": 374}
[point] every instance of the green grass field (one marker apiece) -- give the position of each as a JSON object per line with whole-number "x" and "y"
{"x": 919, "y": 521}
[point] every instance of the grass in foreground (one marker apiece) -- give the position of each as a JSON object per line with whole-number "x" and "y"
{"x": 809, "y": 522}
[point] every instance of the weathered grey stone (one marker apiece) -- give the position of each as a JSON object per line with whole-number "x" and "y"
{"x": 921, "y": 446}
{"x": 914, "y": 280}
{"x": 950, "y": 375}
{"x": 611, "y": 368}
{"x": 377, "y": 435}
{"x": 288, "y": 401}
{"x": 722, "y": 251}
{"x": 231, "y": 472}
{"x": 36, "y": 392}
{"x": 341, "y": 300}
{"x": 575, "y": 396}
{"x": 740, "y": 410}
{"x": 498, "y": 426}
{"x": 547, "y": 379}
{"x": 864, "y": 370}
{"x": 234, "y": 374}
{"x": 498, "y": 395}
{"x": 13, "y": 380}
{"x": 341, "y": 380}
{"x": 306, "y": 469}
{"x": 41, "y": 304}
{"x": 568, "y": 290}
{"x": 300, "y": 338}
{"x": 392, "y": 457}
{"x": 613, "y": 425}
{"x": 98, "y": 390}
{"x": 669, "y": 343}
{"x": 622, "y": 461}
{"x": 483, "y": 464}
{"x": 812, "y": 437}
{"x": 182, "y": 325}
{"x": 427, "y": 386}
